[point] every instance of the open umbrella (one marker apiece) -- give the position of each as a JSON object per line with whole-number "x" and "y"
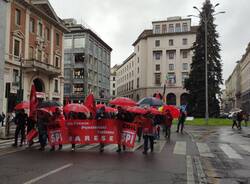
{"x": 75, "y": 107}
{"x": 173, "y": 110}
{"x": 137, "y": 110}
{"x": 123, "y": 101}
{"x": 49, "y": 104}
{"x": 107, "y": 109}
{"x": 22, "y": 105}
{"x": 155, "y": 111}
{"x": 150, "y": 101}
{"x": 44, "y": 110}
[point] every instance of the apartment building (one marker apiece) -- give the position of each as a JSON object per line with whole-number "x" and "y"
{"x": 162, "y": 56}
{"x": 113, "y": 90}
{"x": 238, "y": 84}
{"x": 86, "y": 64}
{"x": 33, "y": 52}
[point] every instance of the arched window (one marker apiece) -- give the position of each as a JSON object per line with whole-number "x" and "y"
{"x": 171, "y": 99}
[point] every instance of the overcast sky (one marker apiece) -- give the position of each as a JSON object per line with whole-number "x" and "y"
{"x": 119, "y": 22}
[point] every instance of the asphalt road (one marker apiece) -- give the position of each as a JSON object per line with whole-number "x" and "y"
{"x": 200, "y": 155}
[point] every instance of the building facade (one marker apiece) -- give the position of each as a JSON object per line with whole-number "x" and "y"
{"x": 86, "y": 64}
{"x": 34, "y": 52}
{"x": 238, "y": 85}
{"x": 162, "y": 56}
{"x": 113, "y": 90}
{"x": 3, "y": 24}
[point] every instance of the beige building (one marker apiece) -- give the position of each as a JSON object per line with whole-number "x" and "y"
{"x": 33, "y": 52}
{"x": 162, "y": 56}
{"x": 238, "y": 85}
{"x": 113, "y": 85}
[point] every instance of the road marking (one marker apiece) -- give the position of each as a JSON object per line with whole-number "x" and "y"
{"x": 201, "y": 176}
{"x": 110, "y": 147}
{"x": 229, "y": 151}
{"x": 88, "y": 147}
{"x": 48, "y": 174}
{"x": 159, "y": 146}
{"x": 204, "y": 150}
{"x": 180, "y": 148}
{"x": 190, "y": 170}
{"x": 245, "y": 147}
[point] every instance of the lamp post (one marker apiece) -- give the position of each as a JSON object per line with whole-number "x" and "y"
{"x": 20, "y": 91}
{"x": 205, "y": 19}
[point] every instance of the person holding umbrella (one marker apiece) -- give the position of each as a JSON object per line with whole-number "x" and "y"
{"x": 42, "y": 122}
{"x": 20, "y": 121}
{"x": 148, "y": 132}
{"x": 168, "y": 123}
{"x": 122, "y": 117}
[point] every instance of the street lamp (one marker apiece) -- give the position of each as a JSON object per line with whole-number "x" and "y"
{"x": 205, "y": 19}
{"x": 20, "y": 91}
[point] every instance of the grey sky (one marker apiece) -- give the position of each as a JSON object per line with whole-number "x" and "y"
{"x": 119, "y": 22}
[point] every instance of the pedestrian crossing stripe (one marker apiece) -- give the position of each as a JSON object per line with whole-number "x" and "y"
{"x": 245, "y": 148}
{"x": 180, "y": 148}
{"x": 204, "y": 150}
{"x": 229, "y": 151}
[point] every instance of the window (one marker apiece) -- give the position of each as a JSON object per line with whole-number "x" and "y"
{"x": 138, "y": 82}
{"x": 171, "y": 42}
{"x": 185, "y": 66}
{"x": 113, "y": 93}
{"x": 17, "y": 48}
{"x": 177, "y": 27}
{"x": 164, "y": 28}
{"x": 138, "y": 70}
{"x": 56, "y": 86}
{"x": 79, "y": 73}
{"x": 138, "y": 48}
{"x": 67, "y": 73}
{"x": 67, "y": 88}
{"x": 157, "y": 78}
{"x": 57, "y": 39}
{"x": 15, "y": 76}
{"x": 39, "y": 55}
{"x": 184, "y": 41}
{"x": 113, "y": 85}
{"x": 57, "y": 62}
{"x": 67, "y": 43}
{"x": 157, "y": 67}
{"x": 171, "y": 78}
{"x": 184, "y": 54}
{"x": 171, "y": 28}
{"x": 78, "y": 88}
{"x": 67, "y": 58}
{"x": 184, "y": 27}
{"x": 157, "y": 43}
{"x": 47, "y": 34}
{"x": 157, "y": 55}
{"x": 184, "y": 77}
{"x": 32, "y": 25}
{"x": 80, "y": 43}
{"x": 80, "y": 57}
{"x": 171, "y": 54}
{"x": 40, "y": 29}
{"x": 18, "y": 17}
{"x": 171, "y": 67}
{"x": 157, "y": 29}
{"x": 31, "y": 53}
{"x": 113, "y": 78}
{"x": 138, "y": 60}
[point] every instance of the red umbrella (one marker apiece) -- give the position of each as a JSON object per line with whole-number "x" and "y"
{"x": 173, "y": 110}
{"x": 75, "y": 107}
{"x": 155, "y": 111}
{"x": 22, "y": 105}
{"x": 45, "y": 110}
{"x": 122, "y": 101}
{"x": 107, "y": 109}
{"x": 137, "y": 110}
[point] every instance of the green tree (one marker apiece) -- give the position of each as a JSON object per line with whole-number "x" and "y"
{"x": 195, "y": 84}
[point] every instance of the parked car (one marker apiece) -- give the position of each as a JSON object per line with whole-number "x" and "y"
{"x": 224, "y": 115}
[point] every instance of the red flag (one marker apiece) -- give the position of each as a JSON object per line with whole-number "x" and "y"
{"x": 33, "y": 101}
{"x": 90, "y": 103}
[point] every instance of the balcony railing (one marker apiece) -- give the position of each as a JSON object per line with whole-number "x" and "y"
{"x": 35, "y": 65}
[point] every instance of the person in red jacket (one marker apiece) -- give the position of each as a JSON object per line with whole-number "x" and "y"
{"x": 168, "y": 123}
{"x": 148, "y": 132}
{"x": 58, "y": 119}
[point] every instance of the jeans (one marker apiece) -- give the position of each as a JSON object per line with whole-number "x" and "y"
{"x": 180, "y": 123}
{"x": 150, "y": 139}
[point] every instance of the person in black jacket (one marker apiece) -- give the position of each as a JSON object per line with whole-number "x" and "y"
{"x": 181, "y": 121}
{"x": 20, "y": 121}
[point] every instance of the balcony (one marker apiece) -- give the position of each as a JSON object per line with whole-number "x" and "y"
{"x": 38, "y": 66}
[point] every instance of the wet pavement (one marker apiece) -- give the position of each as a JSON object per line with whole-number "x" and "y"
{"x": 200, "y": 155}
